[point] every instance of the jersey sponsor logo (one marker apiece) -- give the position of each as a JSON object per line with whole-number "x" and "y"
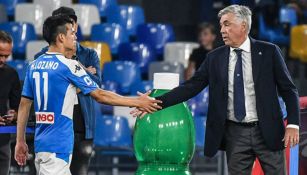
{"x": 77, "y": 68}
{"x": 44, "y": 117}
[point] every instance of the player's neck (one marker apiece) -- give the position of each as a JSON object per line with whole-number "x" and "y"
{"x": 55, "y": 48}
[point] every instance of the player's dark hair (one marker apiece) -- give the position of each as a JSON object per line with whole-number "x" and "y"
{"x": 55, "y": 25}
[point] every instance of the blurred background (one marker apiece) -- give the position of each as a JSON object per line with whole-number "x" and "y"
{"x": 136, "y": 38}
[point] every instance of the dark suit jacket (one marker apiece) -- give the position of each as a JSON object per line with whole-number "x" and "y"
{"x": 271, "y": 78}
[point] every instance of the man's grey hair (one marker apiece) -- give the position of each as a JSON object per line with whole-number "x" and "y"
{"x": 242, "y": 13}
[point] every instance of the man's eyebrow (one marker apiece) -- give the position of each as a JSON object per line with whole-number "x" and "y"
{"x": 226, "y": 21}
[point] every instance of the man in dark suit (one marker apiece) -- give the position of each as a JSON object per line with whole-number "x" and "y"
{"x": 245, "y": 77}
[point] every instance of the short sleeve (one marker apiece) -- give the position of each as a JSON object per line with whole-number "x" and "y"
{"x": 27, "y": 90}
{"x": 80, "y": 78}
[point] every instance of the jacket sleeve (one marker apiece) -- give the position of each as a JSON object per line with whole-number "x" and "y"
{"x": 286, "y": 87}
{"x": 43, "y": 51}
{"x": 94, "y": 61}
{"x": 188, "y": 89}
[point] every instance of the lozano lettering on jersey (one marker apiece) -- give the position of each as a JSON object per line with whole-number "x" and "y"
{"x": 44, "y": 117}
{"x": 45, "y": 65}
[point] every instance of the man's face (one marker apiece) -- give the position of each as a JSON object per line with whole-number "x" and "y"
{"x": 206, "y": 37}
{"x": 70, "y": 38}
{"x": 233, "y": 30}
{"x": 5, "y": 52}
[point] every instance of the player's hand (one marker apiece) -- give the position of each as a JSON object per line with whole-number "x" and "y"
{"x": 137, "y": 112}
{"x": 12, "y": 116}
{"x": 2, "y": 121}
{"x": 91, "y": 70}
{"x": 292, "y": 137}
{"x": 147, "y": 103}
{"x": 21, "y": 153}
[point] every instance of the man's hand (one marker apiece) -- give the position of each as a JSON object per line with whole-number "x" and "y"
{"x": 91, "y": 70}
{"x": 292, "y": 137}
{"x": 12, "y": 116}
{"x": 142, "y": 110}
{"x": 21, "y": 153}
{"x": 2, "y": 121}
{"x": 137, "y": 112}
{"x": 147, "y": 103}
{"x": 9, "y": 118}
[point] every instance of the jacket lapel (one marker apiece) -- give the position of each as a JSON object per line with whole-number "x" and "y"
{"x": 257, "y": 59}
{"x": 224, "y": 61}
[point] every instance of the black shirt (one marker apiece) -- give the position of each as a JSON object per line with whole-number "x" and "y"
{"x": 78, "y": 119}
{"x": 198, "y": 55}
{"x": 10, "y": 89}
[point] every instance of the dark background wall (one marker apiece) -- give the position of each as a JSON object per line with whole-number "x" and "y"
{"x": 184, "y": 15}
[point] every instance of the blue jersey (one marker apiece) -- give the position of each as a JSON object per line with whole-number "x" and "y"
{"x": 51, "y": 81}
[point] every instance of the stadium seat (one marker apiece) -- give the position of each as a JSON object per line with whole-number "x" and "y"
{"x": 235, "y": 1}
{"x": 88, "y": 15}
{"x": 3, "y": 14}
{"x": 36, "y": 17}
{"x": 129, "y": 17}
{"x": 140, "y": 53}
{"x": 200, "y": 128}
{"x": 10, "y": 5}
{"x": 33, "y": 47}
{"x": 52, "y": 4}
{"x": 298, "y": 47}
{"x": 112, "y": 132}
{"x": 113, "y": 138}
{"x": 200, "y": 103}
{"x": 112, "y": 34}
{"x": 155, "y": 35}
{"x": 20, "y": 66}
{"x": 141, "y": 86}
{"x": 179, "y": 51}
{"x": 110, "y": 86}
{"x": 274, "y": 35}
{"x": 102, "y": 5}
{"x": 288, "y": 15}
{"x": 102, "y": 49}
{"x": 124, "y": 73}
{"x": 283, "y": 107}
{"x": 303, "y": 102}
{"x": 163, "y": 66}
{"x": 22, "y": 33}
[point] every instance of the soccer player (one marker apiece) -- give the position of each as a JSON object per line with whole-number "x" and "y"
{"x": 51, "y": 82}
{"x": 84, "y": 111}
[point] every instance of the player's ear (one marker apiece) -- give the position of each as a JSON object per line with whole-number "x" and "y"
{"x": 61, "y": 37}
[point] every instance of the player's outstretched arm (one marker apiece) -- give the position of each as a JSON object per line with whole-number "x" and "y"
{"x": 143, "y": 101}
{"x": 21, "y": 148}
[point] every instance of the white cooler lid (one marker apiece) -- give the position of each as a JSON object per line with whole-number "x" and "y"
{"x": 166, "y": 81}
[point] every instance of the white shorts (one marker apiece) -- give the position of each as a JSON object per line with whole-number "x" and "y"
{"x": 47, "y": 163}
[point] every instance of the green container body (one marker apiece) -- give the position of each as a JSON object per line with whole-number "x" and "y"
{"x": 164, "y": 142}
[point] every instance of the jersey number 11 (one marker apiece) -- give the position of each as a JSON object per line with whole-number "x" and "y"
{"x": 36, "y": 76}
